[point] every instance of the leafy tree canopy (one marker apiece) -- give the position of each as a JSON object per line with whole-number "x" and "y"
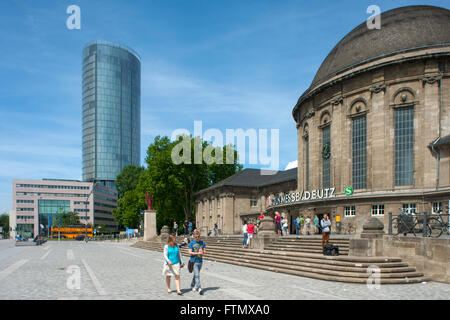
{"x": 128, "y": 178}
{"x": 173, "y": 183}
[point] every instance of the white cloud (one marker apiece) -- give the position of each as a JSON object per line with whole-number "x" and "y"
{"x": 292, "y": 165}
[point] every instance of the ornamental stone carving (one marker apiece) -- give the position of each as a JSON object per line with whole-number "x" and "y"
{"x": 337, "y": 101}
{"x": 376, "y": 88}
{"x": 430, "y": 79}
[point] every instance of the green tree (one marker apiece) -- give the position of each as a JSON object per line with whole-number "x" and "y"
{"x": 4, "y": 223}
{"x": 128, "y": 178}
{"x": 128, "y": 211}
{"x": 173, "y": 184}
{"x": 67, "y": 219}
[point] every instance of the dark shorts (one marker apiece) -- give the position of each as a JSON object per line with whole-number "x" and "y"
{"x": 278, "y": 226}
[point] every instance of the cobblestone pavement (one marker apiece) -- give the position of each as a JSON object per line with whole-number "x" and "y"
{"x": 111, "y": 270}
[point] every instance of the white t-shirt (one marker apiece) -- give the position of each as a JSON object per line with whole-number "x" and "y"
{"x": 244, "y": 228}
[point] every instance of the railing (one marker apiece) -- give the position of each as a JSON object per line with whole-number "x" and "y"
{"x": 116, "y": 236}
{"x": 427, "y": 225}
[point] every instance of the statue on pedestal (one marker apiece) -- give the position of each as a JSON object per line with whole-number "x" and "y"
{"x": 149, "y": 200}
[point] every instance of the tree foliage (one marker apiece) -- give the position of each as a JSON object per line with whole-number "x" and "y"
{"x": 4, "y": 223}
{"x": 173, "y": 185}
{"x": 128, "y": 178}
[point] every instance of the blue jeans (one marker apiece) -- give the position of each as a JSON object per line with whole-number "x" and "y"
{"x": 296, "y": 229}
{"x": 244, "y": 242}
{"x": 196, "y": 280}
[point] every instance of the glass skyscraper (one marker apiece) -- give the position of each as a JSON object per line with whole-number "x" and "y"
{"x": 111, "y": 111}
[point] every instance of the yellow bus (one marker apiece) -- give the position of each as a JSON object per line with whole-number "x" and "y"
{"x": 71, "y": 232}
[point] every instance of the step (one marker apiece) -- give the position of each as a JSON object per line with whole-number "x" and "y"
{"x": 358, "y": 261}
{"x": 354, "y": 277}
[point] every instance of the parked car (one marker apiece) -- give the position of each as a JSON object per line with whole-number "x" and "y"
{"x": 80, "y": 237}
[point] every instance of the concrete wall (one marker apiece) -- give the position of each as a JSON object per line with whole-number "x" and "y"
{"x": 427, "y": 255}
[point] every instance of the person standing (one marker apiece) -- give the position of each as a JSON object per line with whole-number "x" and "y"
{"x": 325, "y": 224}
{"x": 316, "y": 224}
{"x": 302, "y": 222}
{"x": 172, "y": 263}
{"x": 215, "y": 229}
{"x": 197, "y": 249}
{"x": 284, "y": 223}
{"x": 245, "y": 232}
{"x": 190, "y": 228}
{"x": 297, "y": 225}
{"x": 308, "y": 225}
{"x": 250, "y": 230}
{"x": 278, "y": 223}
{"x": 260, "y": 218}
{"x": 185, "y": 225}
{"x": 175, "y": 228}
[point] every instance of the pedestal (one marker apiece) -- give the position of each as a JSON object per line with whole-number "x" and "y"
{"x": 150, "y": 225}
{"x": 266, "y": 234}
{"x": 371, "y": 242}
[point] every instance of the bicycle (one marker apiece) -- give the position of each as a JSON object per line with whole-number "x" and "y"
{"x": 438, "y": 225}
{"x": 407, "y": 222}
{"x": 351, "y": 229}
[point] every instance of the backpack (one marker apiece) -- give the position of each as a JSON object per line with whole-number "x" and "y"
{"x": 331, "y": 250}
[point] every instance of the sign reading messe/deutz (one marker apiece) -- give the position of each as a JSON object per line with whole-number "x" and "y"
{"x": 304, "y": 195}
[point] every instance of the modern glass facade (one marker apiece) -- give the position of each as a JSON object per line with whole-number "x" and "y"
{"x": 52, "y": 208}
{"x": 111, "y": 111}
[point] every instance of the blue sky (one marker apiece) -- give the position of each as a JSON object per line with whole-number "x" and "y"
{"x": 231, "y": 64}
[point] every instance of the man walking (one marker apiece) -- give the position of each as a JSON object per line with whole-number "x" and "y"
{"x": 190, "y": 228}
{"x": 185, "y": 225}
{"x": 325, "y": 224}
{"x": 197, "y": 249}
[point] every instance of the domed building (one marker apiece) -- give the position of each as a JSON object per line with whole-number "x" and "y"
{"x": 373, "y": 133}
{"x": 374, "y": 126}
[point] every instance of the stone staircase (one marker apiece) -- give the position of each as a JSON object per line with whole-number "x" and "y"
{"x": 308, "y": 244}
{"x": 303, "y": 257}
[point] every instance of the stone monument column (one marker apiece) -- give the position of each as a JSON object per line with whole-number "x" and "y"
{"x": 266, "y": 234}
{"x": 149, "y": 219}
{"x": 149, "y": 225}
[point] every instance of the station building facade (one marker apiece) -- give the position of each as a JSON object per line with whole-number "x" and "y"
{"x": 373, "y": 129}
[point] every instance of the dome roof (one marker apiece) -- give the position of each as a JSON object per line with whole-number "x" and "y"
{"x": 402, "y": 29}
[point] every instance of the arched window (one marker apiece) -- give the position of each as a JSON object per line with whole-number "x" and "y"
{"x": 359, "y": 162}
{"x": 326, "y": 156}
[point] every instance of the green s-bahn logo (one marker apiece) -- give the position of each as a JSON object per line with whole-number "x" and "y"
{"x": 348, "y": 191}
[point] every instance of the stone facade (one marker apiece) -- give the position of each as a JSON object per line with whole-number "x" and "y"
{"x": 229, "y": 206}
{"x": 377, "y": 92}
{"x": 401, "y": 71}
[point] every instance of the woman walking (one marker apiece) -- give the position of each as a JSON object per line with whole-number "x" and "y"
{"x": 173, "y": 263}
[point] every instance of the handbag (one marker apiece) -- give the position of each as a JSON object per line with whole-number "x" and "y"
{"x": 191, "y": 265}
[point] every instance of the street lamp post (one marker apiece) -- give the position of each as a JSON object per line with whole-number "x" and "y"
{"x": 85, "y": 211}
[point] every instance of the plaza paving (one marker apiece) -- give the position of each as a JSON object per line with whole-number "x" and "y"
{"x": 110, "y": 270}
